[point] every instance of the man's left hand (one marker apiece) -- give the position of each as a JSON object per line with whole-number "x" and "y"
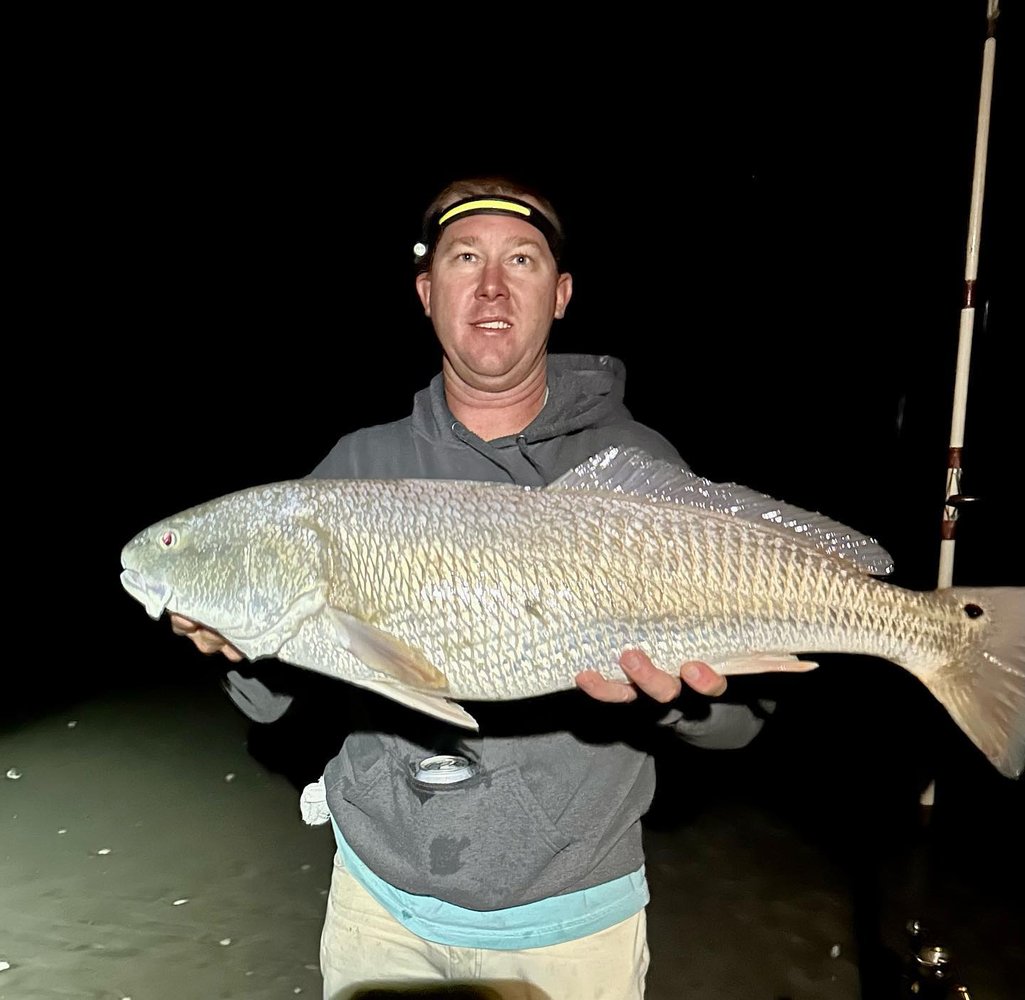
{"x": 645, "y": 677}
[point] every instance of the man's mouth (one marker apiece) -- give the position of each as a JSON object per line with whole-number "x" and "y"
{"x": 493, "y": 324}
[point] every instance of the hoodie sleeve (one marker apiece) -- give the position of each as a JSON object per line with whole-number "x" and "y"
{"x": 718, "y": 725}
{"x": 253, "y": 698}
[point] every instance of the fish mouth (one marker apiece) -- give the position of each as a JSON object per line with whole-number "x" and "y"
{"x": 153, "y": 595}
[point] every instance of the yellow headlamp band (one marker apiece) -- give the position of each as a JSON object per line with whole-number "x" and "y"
{"x": 487, "y": 205}
{"x": 499, "y": 204}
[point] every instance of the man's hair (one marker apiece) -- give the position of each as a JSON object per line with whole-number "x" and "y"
{"x": 471, "y": 187}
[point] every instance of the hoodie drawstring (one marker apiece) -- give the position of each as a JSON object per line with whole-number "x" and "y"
{"x": 480, "y": 446}
{"x": 521, "y": 443}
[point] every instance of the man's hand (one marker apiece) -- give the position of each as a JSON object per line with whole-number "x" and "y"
{"x": 645, "y": 677}
{"x": 206, "y": 640}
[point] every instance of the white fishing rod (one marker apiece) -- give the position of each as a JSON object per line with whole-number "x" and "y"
{"x": 954, "y": 498}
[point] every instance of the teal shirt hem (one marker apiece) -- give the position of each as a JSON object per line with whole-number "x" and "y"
{"x": 545, "y": 922}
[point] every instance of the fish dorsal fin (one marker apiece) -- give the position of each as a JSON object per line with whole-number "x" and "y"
{"x": 634, "y": 471}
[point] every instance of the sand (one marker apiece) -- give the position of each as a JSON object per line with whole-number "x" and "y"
{"x": 152, "y": 849}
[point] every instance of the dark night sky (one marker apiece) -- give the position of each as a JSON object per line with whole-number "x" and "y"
{"x": 767, "y": 224}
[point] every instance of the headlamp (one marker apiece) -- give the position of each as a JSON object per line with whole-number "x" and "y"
{"x": 486, "y": 205}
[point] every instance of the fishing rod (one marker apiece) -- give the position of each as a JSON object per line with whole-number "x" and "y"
{"x": 954, "y": 499}
{"x": 927, "y": 967}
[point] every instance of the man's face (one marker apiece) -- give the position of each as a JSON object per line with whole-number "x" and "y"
{"x": 492, "y": 293}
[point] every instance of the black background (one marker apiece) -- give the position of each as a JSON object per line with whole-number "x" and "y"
{"x": 767, "y": 213}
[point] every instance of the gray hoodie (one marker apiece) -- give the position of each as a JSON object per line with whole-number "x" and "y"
{"x": 561, "y": 781}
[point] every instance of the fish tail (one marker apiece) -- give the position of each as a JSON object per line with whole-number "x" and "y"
{"x": 984, "y": 688}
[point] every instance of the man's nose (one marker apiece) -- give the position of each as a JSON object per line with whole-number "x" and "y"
{"x": 492, "y": 282}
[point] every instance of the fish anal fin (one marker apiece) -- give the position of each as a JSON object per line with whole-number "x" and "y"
{"x": 385, "y": 653}
{"x": 764, "y": 663}
{"x": 439, "y": 708}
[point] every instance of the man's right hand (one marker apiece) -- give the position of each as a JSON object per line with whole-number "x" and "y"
{"x": 206, "y": 640}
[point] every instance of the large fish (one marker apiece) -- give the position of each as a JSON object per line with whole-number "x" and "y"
{"x": 430, "y": 590}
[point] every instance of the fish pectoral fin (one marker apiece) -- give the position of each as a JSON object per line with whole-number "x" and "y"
{"x": 440, "y": 708}
{"x": 385, "y": 653}
{"x": 764, "y": 663}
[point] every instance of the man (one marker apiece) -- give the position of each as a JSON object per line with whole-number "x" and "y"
{"x": 512, "y": 855}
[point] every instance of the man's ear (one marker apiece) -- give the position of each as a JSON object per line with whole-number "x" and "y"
{"x": 563, "y": 293}
{"x": 423, "y": 289}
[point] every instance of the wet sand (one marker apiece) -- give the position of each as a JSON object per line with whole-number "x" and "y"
{"x": 148, "y": 855}
{"x": 153, "y": 850}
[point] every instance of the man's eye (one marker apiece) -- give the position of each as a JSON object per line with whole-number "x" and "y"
{"x": 521, "y": 259}
{"x": 467, "y": 256}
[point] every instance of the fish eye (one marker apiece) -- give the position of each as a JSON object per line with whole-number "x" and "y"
{"x": 973, "y": 611}
{"x": 169, "y": 539}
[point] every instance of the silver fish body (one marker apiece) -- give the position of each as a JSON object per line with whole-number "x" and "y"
{"x": 430, "y": 591}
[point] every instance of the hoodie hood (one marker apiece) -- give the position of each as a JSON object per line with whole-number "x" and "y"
{"x": 584, "y": 412}
{"x": 584, "y": 391}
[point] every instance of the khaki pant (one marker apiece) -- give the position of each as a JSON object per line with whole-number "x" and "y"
{"x": 365, "y": 953}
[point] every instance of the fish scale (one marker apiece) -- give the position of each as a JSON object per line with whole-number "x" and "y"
{"x": 470, "y": 638}
{"x": 430, "y": 591}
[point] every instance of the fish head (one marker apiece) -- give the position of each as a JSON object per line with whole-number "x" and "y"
{"x": 236, "y": 564}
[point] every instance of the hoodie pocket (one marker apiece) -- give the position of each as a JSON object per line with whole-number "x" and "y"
{"x": 483, "y": 844}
